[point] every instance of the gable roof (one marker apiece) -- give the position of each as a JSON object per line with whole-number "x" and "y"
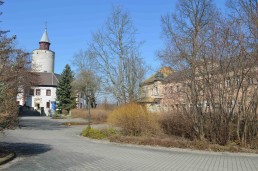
{"x": 158, "y": 76}
{"x": 48, "y": 79}
{"x": 177, "y": 76}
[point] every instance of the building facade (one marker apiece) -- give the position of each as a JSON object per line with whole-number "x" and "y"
{"x": 229, "y": 91}
{"x": 152, "y": 89}
{"x": 42, "y": 97}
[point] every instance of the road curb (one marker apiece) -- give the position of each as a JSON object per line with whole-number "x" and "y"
{"x": 172, "y": 149}
{"x": 7, "y": 158}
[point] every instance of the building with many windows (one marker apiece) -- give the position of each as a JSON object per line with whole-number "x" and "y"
{"x": 232, "y": 89}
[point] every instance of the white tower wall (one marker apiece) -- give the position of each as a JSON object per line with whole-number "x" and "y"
{"x": 43, "y": 60}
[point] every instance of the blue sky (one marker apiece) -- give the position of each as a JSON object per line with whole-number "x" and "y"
{"x": 71, "y": 23}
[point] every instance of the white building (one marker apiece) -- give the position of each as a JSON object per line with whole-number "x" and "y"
{"x": 81, "y": 100}
{"x": 42, "y": 97}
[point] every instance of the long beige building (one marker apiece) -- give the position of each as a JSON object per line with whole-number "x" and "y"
{"x": 169, "y": 90}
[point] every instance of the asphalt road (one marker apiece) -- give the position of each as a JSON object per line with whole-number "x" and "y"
{"x": 43, "y": 144}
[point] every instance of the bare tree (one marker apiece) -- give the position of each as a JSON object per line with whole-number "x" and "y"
{"x": 87, "y": 76}
{"x": 186, "y": 32}
{"x": 217, "y": 60}
{"x": 116, "y": 52}
{"x": 87, "y": 79}
{"x": 15, "y": 77}
{"x": 245, "y": 12}
{"x": 83, "y": 61}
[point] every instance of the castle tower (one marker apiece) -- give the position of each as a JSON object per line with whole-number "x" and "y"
{"x": 43, "y": 59}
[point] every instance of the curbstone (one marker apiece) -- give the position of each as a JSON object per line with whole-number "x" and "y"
{"x": 7, "y": 158}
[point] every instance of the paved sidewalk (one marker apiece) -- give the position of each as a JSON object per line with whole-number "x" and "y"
{"x": 43, "y": 144}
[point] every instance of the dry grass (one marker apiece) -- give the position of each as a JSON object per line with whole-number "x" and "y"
{"x": 98, "y": 115}
{"x": 106, "y": 106}
{"x": 138, "y": 126}
{"x": 178, "y": 142}
{"x": 134, "y": 120}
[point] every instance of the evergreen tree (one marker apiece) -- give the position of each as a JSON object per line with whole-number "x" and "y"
{"x": 66, "y": 101}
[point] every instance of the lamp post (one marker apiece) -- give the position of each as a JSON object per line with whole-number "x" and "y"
{"x": 88, "y": 94}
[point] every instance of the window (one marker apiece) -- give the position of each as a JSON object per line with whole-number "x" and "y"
{"x": 156, "y": 91}
{"x": 191, "y": 107}
{"x": 177, "y": 88}
{"x": 228, "y": 82}
{"x": 171, "y": 89}
{"x": 217, "y": 105}
{"x": 238, "y": 81}
{"x": 229, "y": 106}
{"x": 48, "y": 93}
{"x": 240, "y": 106}
{"x": 37, "y": 92}
{"x": 48, "y": 105}
{"x": 199, "y": 105}
{"x": 143, "y": 93}
{"x": 251, "y": 80}
{"x": 217, "y": 85}
{"x": 32, "y": 92}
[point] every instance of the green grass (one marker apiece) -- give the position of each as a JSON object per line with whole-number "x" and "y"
{"x": 98, "y": 134}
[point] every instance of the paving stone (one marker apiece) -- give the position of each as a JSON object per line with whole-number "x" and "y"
{"x": 43, "y": 144}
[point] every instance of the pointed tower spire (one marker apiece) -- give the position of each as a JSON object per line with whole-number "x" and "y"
{"x": 44, "y": 42}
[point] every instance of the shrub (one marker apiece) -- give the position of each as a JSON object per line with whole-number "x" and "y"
{"x": 134, "y": 120}
{"x": 93, "y": 133}
{"x": 98, "y": 134}
{"x": 177, "y": 124}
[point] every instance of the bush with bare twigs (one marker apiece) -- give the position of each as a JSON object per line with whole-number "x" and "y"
{"x": 177, "y": 124}
{"x": 134, "y": 120}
